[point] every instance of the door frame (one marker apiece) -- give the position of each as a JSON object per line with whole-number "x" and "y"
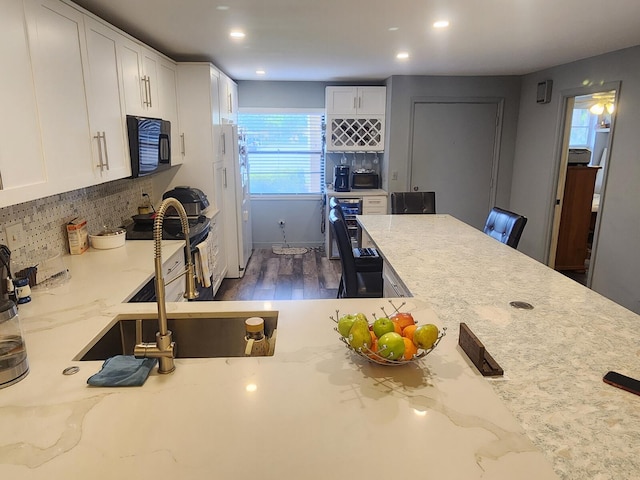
{"x": 561, "y": 156}
{"x": 495, "y": 161}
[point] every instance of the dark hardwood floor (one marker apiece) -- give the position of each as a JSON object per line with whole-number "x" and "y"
{"x": 284, "y": 277}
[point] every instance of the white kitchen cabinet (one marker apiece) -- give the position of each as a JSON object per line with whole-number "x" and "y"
{"x": 355, "y": 100}
{"x": 172, "y": 267}
{"x": 22, "y": 167}
{"x": 199, "y": 114}
{"x": 106, "y": 105}
{"x": 139, "y": 67}
{"x": 374, "y": 205}
{"x": 355, "y": 119}
{"x": 228, "y": 100}
{"x": 217, "y": 251}
{"x": 168, "y": 98}
{"x": 58, "y": 50}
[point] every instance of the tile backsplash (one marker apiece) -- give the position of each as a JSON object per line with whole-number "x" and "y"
{"x": 44, "y": 220}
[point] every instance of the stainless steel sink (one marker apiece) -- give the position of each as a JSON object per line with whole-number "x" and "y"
{"x": 197, "y": 335}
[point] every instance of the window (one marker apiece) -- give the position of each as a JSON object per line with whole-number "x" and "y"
{"x": 582, "y": 127}
{"x": 284, "y": 150}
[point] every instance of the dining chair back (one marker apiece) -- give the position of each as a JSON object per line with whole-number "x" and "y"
{"x": 413, "y": 202}
{"x": 505, "y": 226}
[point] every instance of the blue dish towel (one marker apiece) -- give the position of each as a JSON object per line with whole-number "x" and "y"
{"x": 123, "y": 371}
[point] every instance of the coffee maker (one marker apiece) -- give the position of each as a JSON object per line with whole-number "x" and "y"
{"x": 341, "y": 178}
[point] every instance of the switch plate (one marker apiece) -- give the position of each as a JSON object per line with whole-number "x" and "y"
{"x": 15, "y": 236}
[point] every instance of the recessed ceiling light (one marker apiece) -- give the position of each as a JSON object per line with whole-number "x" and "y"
{"x": 441, "y": 24}
{"x": 402, "y": 55}
{"x": 237, "y": 34}
{"x": 260, "y": 72}
{"x": 393, "y": 29}
{"x": 222, "y": 7}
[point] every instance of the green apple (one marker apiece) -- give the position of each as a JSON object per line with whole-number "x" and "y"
{"x": 359, "y": 336}
{"x": 382, "y": 325}
{"x": 425, "y": 336}
{"x": 391, "y": 346}
{"x": 345, "y": 323}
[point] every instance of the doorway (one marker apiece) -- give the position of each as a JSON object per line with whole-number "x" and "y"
{"x": 454, "y": 152}
{"x": 586, "y": 145}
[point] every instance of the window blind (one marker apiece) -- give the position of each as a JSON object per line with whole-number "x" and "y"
{"x": 285, "y": 152}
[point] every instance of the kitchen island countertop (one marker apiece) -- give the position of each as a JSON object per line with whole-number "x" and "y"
{"x": 554, "y": 356}
{"x": 312, "y": 410}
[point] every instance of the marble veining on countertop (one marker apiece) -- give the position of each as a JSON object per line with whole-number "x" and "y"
{"x": 314, "y": 405}
{"x": 554, "y": 356}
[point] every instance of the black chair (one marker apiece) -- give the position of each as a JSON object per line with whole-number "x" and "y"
{"x": 354, "y": 283}
{"x": 505, "y": 226}
{"x": 367, "y": 259}
{"x": 413, "y": 202}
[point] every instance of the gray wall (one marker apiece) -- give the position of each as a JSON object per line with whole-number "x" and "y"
{"x": 401, "y": 92}
{"x": 535, "y": 170}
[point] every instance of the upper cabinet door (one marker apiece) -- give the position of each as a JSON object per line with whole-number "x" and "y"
{"x": 341, "y": 100}
{"x": 22, "y": 169}
{"x": 106, "y": 105}
{"x": 372, "y": 100}
{"x": 228, "y": 100}
{"x": 58, "y": 50}
{"x": 135, "y": 88}
{"x": 168, "y": 98}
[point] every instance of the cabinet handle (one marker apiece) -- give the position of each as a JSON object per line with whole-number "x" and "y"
{"x": 224, "y": 144}
{"x": 224, "y": 173}
{"x": 182, "y": 143}
{"x": 230, "y": 104}
{"x": 98, "y": 138}
{"x": 149, "y": 87}
{"x": 172, "y": 268}
{"x": 355, "y": 102}
{"x": 145, "y": 100}
{"x": 359, "y": 102}
{"x": 106, "y": 151}
{"x": 1, "y": 184}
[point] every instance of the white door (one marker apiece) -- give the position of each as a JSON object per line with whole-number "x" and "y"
{"x": 453, "y": 150}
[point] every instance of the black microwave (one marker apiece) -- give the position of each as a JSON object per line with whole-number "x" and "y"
{"x": 149, "y": 145}
{"x": 365, "y": 180}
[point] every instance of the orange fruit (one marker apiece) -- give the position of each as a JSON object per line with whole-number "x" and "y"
{"x": 373, "y": 349}
{"x": 408, "y": 331}
{"x": 373, "y": 337}
{"x": 404, "y": 319}
{"x": 396, "y": 327}
{"x": 409, "y": 349}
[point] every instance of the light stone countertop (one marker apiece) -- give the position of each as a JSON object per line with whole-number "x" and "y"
{"x": 312, "y": 411}
{"x": 554, "y": 356}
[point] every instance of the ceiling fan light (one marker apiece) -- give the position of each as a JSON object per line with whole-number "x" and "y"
{"x": 611, "y": 108}
{"x": 597, "y": 109}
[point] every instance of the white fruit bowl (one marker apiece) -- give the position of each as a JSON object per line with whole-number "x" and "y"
{"x": 108, "y": 239}
{"x": 380, "y": 360}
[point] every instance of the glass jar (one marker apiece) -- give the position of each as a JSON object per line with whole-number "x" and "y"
{"x": 13, "y": 353}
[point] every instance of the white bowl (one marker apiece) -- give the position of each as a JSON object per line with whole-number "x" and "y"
{"x": 108, "y": 239}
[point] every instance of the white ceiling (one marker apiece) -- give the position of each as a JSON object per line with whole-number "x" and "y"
{"x": 343, "y": 40}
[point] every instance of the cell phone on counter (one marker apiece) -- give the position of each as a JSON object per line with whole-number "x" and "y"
{"x": 622, "y": 381}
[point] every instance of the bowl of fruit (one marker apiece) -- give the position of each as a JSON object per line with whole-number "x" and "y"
{"x": 388, "y": 340}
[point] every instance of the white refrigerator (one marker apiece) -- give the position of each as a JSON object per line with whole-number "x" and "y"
{"x": 237, "y": 201}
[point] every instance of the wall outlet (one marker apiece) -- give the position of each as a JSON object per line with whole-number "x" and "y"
{"x": 281, "y": 223}
{"x": 15, "y": 236}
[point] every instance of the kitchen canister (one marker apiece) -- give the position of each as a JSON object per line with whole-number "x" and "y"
{"x": 13, "y": 353}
